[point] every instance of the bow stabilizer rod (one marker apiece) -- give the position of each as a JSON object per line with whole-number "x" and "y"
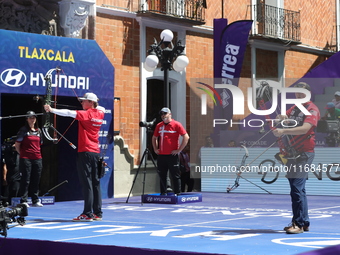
{"x": 18, "y": 116}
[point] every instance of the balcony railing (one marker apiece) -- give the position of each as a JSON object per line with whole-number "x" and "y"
{"x": 270, "y": 21}
{"x": 189, "y": 10}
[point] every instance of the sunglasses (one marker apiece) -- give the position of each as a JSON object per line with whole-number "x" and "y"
{"x": 163, "y": 113}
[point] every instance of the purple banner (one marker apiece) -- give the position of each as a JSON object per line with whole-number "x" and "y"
{"x": 327, "y": 70}
{"x": 219, "y": 26}
{"x": 230, "y": 42}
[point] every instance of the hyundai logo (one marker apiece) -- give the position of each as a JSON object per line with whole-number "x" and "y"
{"x": 13, "y": 77}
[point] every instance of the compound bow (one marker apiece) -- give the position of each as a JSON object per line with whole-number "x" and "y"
{"x": 240, "y": 169}
{"x": 284, "y": 153}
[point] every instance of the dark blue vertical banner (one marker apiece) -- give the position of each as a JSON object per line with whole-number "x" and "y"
{"x": 230, "y": 43}
{"x": 219, "y": 26}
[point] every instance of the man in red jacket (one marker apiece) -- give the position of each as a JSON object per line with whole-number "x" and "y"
{"x": 90, "y": 119}
{"x": 165, "y": 142}
{"x": 300, "y": 141}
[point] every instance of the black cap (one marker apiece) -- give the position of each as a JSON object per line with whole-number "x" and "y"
{"x": 30, "y": 114}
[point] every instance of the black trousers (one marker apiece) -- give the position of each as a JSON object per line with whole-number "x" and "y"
{"x": 11, "y": 190}
{"x": 87, "y": 166}
{"x": 170, "y": 163}
{"x": 30, "y": 170}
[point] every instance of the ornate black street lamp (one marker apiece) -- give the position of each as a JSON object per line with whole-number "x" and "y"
{"x": 169, "y": 56}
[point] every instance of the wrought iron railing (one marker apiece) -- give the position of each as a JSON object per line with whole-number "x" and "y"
{"x": 185, "y": 9}
{"x": 276, "y": 22}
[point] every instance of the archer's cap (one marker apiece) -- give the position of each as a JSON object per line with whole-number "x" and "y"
{"x": 165, "y": 109}
{"x": 30, "y": 114}
{"x": 330, "y": 105}
{"x": 303, "y": 85}
{"x": 89, "y": 96}
{"x": 337, "y": 93}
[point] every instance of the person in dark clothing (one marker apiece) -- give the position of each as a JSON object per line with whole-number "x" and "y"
{"x": 10, "y": 168}
{"x": 28, "y": 145}
{"x": 184, "y": 161}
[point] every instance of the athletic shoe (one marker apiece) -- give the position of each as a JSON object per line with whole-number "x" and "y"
{"x": 96, "y": 217}
{"x": 26, "y": 204}
{"x": 37, "y": 204}
{"x": 82, "y": 217}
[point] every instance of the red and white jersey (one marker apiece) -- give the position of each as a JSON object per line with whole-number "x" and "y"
{"x": 89, "y": 125}
{"x": 306, "y": 142}
{"x": 30, "y": 143}
{"x": 168, "y": 136}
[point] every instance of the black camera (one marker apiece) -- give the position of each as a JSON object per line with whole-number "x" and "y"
{"x": 328, "y": 126}
{"x": 332, "y": 128}
{"x": 10, "y": 215}
{"x": 147, "y": 124}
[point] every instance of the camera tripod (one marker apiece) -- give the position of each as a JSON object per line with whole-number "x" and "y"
{"x": 144, "y": 158}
